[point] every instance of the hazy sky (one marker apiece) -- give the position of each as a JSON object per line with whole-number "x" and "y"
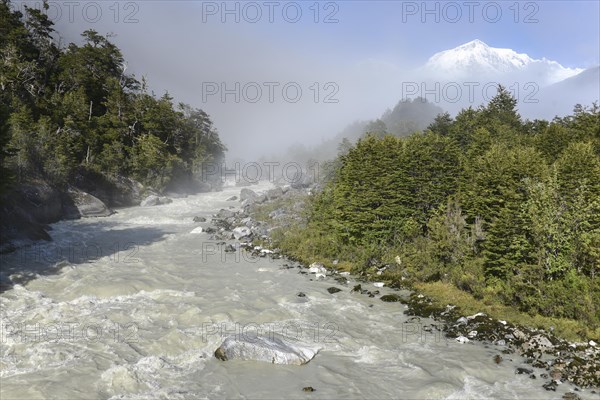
{"x": 346, "y": 57}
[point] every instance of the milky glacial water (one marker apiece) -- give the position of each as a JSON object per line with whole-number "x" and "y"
{"x": 133, "y": 306}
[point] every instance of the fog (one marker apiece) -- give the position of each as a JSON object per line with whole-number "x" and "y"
{"x": 273, "y": 75}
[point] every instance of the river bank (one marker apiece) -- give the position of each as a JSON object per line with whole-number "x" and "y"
{"x": 552, "y": 359}
{"x": 29, "y": 208}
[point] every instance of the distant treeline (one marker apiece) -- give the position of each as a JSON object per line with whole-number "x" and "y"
{"x": 406, "y": 117}
{"x": 69, "y": 110}
{"x": 505, "y": 209}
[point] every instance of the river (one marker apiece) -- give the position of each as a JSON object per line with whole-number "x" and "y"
{"x": 133, "y": 306}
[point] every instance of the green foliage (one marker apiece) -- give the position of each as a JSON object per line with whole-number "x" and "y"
{"x": 66, "y": 109}
{"x": 502, "y": 110}
{"x": 151, "y": 162}
{"x": 386, "y": 187}
{"x": 493, "y": 190}
{"x": 376, "y": 128}
{"x": 503, "y": 209}
{"x": 409, "y": 116}
{"x": 364, "y": 196}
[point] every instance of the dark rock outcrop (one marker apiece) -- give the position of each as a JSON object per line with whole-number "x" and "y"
{"x": 26, "y": 211}
{"x": 84, "y": 205}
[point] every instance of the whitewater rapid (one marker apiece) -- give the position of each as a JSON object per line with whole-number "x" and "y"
{"x": 133, "y": 306}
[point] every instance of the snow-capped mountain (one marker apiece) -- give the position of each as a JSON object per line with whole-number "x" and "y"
{"x": 588, "y": 79}
{"x": 559, "y": 98}
{"x": 476, "y": 60}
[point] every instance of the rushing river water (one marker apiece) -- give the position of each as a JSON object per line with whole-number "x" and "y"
{"x": 134, "y": 306}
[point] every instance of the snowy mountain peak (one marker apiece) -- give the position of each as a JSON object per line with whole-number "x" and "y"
{"x": 477, "y": 59}
{"x": 479, "y": 56}
{"x": 473, "y": 44}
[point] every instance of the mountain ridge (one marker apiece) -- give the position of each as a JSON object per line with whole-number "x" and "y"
{"x": 478, "y": 58}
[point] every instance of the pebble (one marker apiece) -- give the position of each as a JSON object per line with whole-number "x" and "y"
{"x": 525, "y": 371}
{"x": 479, "y": 314}
{"x": 462, "y": 339}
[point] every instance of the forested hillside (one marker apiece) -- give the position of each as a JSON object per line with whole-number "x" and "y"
{"x": 75, "y": 111}
{"x": 504, "y": 209}
{"x": 406, "y": 117}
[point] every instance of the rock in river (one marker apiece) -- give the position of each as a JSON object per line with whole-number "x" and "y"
{"x": 274, "y": 193}
{"x": 241, "y": 232}
{"x": 274, "y": 349}
{"x": 86, "y": 205}
{"x": 391, "y": 298}
{"x": 247, "y": 194}
{"x": 154, "y": 200}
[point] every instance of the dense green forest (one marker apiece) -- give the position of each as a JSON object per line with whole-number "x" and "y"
{"x": 504, "y": 209}
{"x": 74, "y": 110}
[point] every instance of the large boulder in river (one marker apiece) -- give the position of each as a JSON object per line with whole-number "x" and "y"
{"x": 116, "y": 191}
{"x": 86, "y": 205}
{"x": 260, "y": 199}
{"x": 303, "y": 181}
{"x": 150, "y": 201}
{"x": 223, "y": 213}
{"x": 274, "y": 350}
{"x": 204, "y": 187}
{"x": 246, "y": 194}
{"x": 154, "y": 200}
{"x": 274, "y": 193}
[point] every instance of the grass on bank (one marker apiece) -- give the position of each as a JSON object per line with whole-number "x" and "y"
{"x": 445, "y": 293}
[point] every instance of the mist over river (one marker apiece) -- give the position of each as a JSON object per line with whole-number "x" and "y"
{"x": 133, "y": 306}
